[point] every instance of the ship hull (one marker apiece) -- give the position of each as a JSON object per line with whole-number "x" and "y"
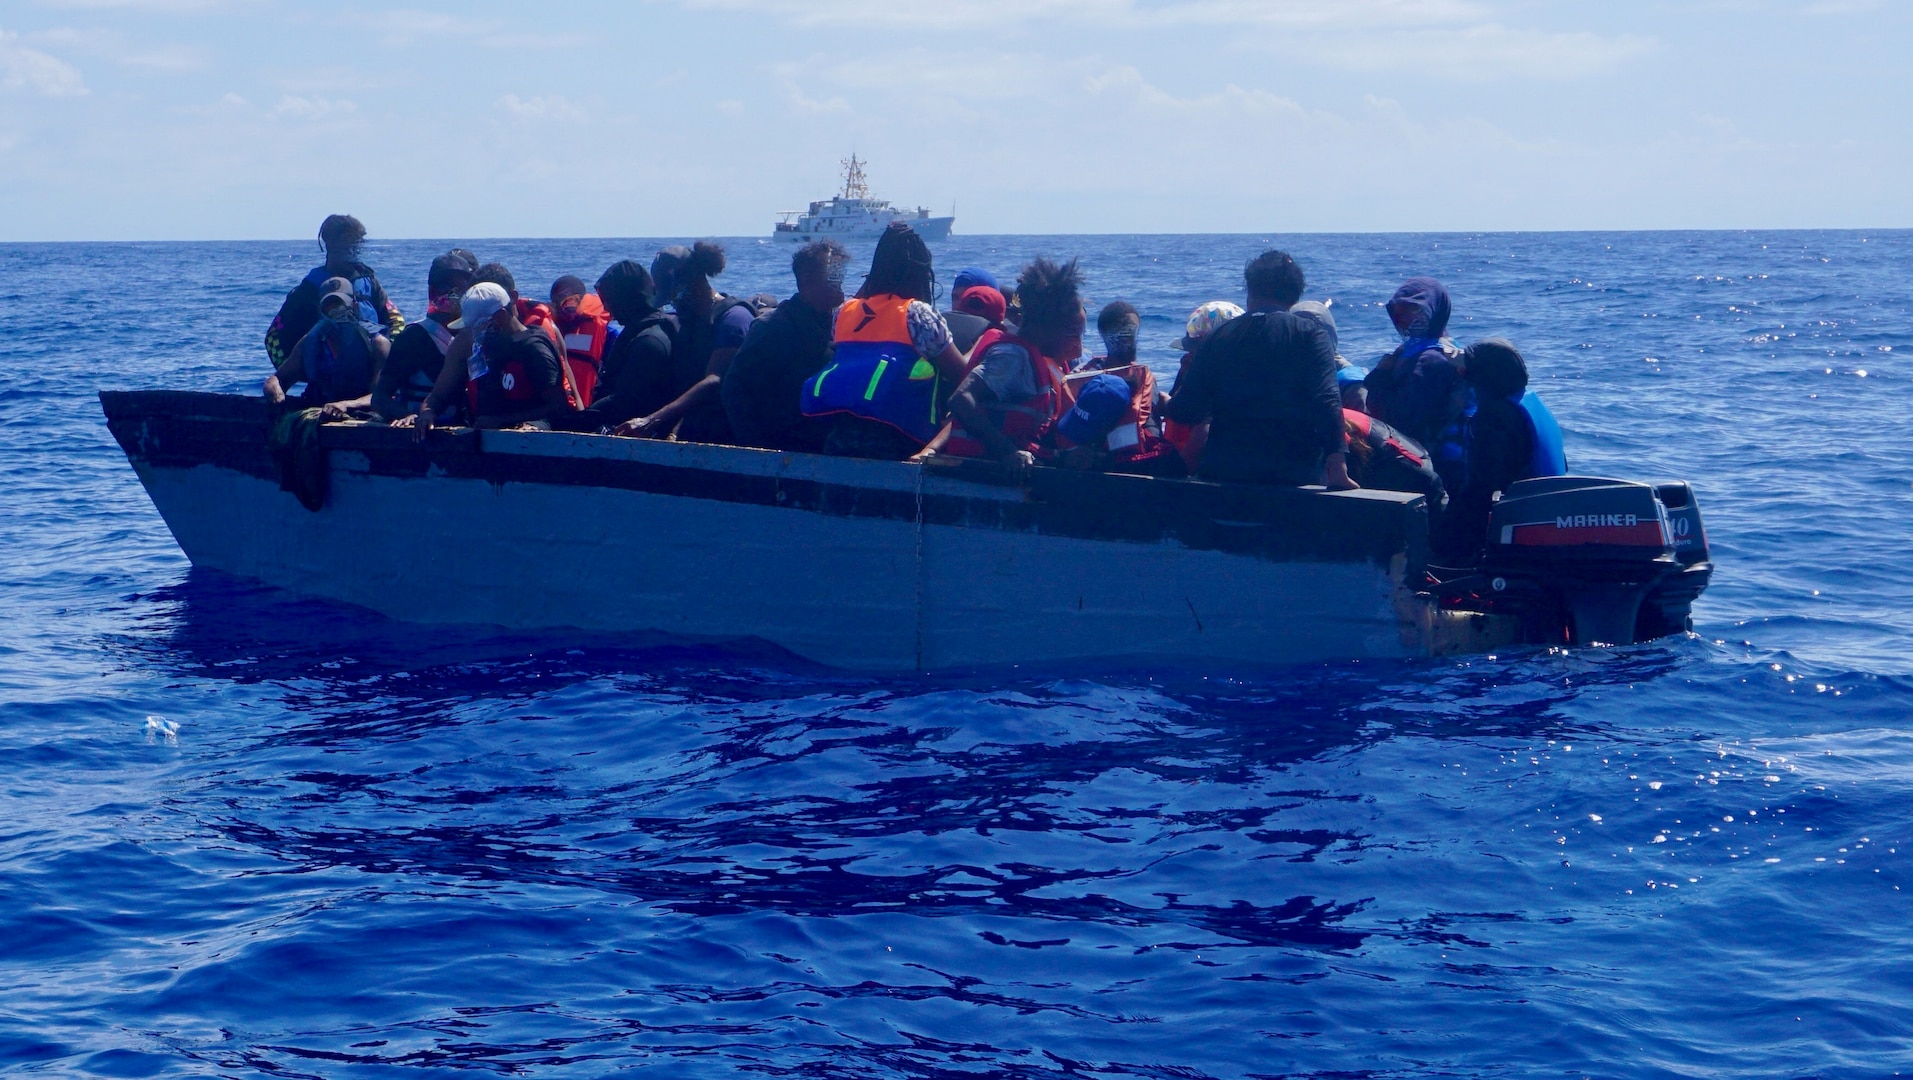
{"x": 931, "y": 229}
{"x": 857, "y": 564}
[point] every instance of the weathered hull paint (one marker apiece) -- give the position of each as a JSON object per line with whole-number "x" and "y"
{"x": 867, "y": 565}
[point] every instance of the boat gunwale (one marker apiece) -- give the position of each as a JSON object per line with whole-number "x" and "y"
{"x": 161, "y": 428}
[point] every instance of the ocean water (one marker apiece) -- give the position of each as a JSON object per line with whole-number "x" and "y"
{"x": 245, "y": 834}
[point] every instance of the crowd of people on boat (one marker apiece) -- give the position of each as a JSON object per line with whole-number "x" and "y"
{"x": 1262, "y": 394}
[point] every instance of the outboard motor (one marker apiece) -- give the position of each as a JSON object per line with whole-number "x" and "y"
{"x": 1585, "y": 560}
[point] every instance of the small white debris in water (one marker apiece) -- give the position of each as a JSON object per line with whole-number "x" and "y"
{"x": 1729, "y": 817}
{"x": 1596, "y": 818}
{"x": 158, "y": 728}
{"x": 1660, "y": 838}
{"x": 1653, "y": 785}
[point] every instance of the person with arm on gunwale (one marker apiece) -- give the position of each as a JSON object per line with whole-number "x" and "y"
{"x": 342, "y": 236}
{"x": 1018, "y": 387}
{"x": 418, "y": 352}
{"x": 338, "y": 359}
{"x": 711, "y": 327}
{"x": 1265, "y": 381}
{"x": 763, "y": 390}
{"x": 892, "y": 359}
{"x": 515, "y": 373}
{"x": 637, "y": 376}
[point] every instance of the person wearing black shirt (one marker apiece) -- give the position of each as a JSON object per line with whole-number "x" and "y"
{"x": 1266, "y": 384}
{"x": 343, "y": 238}
{"x": 711, "y": 328}
{"x": 636, "y": 379}
{"x": 418, "y": 353}
{"x": 784, "y": 348}
{"x": 1499, "y": 440}
{"x": 514, "y": 371}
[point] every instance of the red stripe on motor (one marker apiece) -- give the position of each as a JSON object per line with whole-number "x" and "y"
{"x": 1645, "y": 534}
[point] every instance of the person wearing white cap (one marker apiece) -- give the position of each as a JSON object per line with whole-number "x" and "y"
{"x": 512, "y": 372}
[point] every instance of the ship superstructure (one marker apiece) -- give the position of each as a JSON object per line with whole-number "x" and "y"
{"x": 854, "y": 214}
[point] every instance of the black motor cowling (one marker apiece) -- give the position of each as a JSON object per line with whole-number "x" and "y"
{"x": 1585, "y": 560}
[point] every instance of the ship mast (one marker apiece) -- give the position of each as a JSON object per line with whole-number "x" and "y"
{"x": 854, "y": 185}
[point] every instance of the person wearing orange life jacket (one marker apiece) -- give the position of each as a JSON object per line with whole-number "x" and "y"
{"x": 891, "y": 358}
{"x": 585, "y": 328}
{"x": 1018, "y": 385}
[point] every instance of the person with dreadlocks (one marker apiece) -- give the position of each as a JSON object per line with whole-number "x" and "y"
{"x": 891, "y": 358}
{"x": 711, "y": 327}
{"x": 342, "y": 237}
{"x": 1018, "y": 389}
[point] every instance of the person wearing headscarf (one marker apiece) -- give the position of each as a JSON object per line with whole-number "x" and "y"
{"x": 1418, "y": 387}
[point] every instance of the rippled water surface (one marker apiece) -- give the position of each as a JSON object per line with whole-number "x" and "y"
{"x": 245, "y": 834}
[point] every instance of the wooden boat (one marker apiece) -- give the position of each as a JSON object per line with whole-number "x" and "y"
{"x": 858, "y": 564}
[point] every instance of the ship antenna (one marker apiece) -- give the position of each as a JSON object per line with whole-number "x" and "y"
{"x": 854, "y": 185}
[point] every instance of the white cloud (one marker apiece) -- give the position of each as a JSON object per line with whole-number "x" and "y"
{"x": 401, "y": 27}
{"x": 1486, "y": 51}
{"x": 1114, "y": 13}
{"x": 314, "y": 109}
{"x": 165, "y": 60}
{"x": 22, "y": 68}
{"x": 162, "y": 6}
{"x": 543, "y": 108}
{"x": 1452, "y": 38}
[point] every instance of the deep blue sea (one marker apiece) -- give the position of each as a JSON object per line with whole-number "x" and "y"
{"x": 244, "y": 834}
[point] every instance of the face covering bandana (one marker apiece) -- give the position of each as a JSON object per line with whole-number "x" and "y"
{"x": 1120, "y": 342}
{"x": 834, "y": 271}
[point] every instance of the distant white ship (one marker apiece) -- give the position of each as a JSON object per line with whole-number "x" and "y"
{"x": 853, "y": 214}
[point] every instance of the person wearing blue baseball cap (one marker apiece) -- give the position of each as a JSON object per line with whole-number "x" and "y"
{"x": 1353, "y": 381}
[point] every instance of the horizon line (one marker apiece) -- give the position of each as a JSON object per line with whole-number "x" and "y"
{"x": 1015, "y": 235}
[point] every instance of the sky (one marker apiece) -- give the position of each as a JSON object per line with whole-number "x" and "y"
{"x": 252, "y": 119}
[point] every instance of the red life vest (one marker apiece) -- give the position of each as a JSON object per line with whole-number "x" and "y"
{"x": 1023, "y": 422}
{"x": 538, "y": 316}
{"x": 1132, "y": 430}
{"x": 584, "y": 345}
{"x": 517, "y": 390}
